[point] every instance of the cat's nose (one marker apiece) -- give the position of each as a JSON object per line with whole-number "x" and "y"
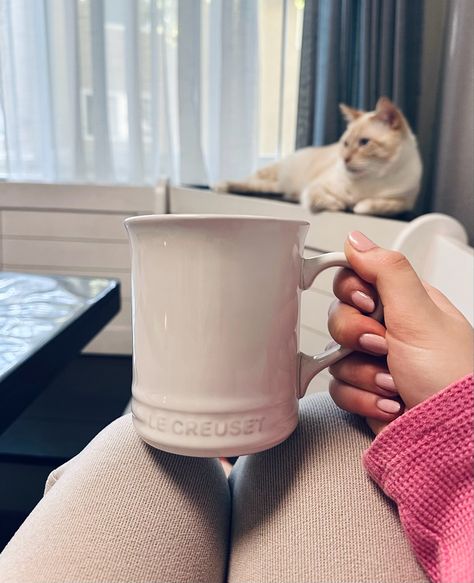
{"x": 347, "y": 159}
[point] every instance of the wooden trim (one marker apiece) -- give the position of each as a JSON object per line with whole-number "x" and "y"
{"x": 82, "y": 254}
{"x": 64, "y": 225}
{"x": 327, "y": 230}
{"x": 83, "y": 197}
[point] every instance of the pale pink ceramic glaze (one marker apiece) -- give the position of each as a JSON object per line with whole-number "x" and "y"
{"x": 215, "y": 331}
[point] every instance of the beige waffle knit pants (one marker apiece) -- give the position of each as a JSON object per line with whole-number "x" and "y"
{"x": 303, "y": 512}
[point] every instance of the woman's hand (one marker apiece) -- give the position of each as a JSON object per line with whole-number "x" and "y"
{"x": 424, "y": 344}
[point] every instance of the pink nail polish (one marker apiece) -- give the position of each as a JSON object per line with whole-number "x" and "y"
{"x": 388, "y": 405}
{"x": 385, "y": 381}
{"x": 363, "y": 301}
{"x": 360, "y": 242}
{"x": 373, "y": 343}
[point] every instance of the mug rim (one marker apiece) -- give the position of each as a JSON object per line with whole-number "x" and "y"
{"x": 209, "y": 217}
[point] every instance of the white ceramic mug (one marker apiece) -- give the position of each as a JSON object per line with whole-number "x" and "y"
{"x": 216, "y": 300}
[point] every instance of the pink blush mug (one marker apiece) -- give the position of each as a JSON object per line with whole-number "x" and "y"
{"x": 215, "y": 306}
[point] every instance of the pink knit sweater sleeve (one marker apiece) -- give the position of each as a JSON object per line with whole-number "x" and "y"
{"x": 423, "y": 461}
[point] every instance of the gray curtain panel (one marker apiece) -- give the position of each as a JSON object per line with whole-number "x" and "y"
{"x": 450, "y": 187}
{"x": 420, "y": 53}
{"x": 354, "y": 51}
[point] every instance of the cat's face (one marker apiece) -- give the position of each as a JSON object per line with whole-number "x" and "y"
{"x": 372, "y": 139}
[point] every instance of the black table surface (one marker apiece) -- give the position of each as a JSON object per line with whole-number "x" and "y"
{"x": 45, "y": 320}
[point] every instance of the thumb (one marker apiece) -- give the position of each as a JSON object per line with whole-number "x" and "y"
{"x": 390, "y": 273}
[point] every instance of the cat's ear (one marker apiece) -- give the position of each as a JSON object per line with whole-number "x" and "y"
{"x": 387, "y": 112}
{"x": 349, "y": 113}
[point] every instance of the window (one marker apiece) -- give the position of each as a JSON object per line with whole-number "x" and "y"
{"x": 280, "y": 33}
{"x": 96, "y": 90}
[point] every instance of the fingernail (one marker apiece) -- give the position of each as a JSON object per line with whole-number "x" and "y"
{"x": 360, "y": 242}
{"x": 385, "y": 381}
{"x": 363, "y": 301}
{"x": 388, "y": 405}
{"x": 373, "y": 343}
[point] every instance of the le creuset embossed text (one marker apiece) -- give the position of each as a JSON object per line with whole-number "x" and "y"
{"x": 216, "y": 299}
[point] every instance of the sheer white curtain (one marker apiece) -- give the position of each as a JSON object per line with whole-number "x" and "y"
{"x": 128, "y": 90}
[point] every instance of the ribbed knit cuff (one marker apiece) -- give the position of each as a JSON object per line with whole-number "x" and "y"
{"x": 423, "y": 461}
{"x": 396, "y": 451}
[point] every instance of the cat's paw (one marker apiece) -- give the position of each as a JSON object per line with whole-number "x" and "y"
{"x": 221, "y": 187}
{"x": 317, "y": 200}
{"x": 364, "y": 207}
{"x": 368, "y": 207}
{"x": 383, "y": 207}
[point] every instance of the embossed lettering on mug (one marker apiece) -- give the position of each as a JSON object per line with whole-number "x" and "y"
{"x": 207, "y": 427}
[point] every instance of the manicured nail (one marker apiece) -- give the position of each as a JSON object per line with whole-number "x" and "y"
{"x": 388, "y": 405}
{"x": 363, "y": 301}
{"x": 385, "y": 381}
{"x": 373, "y": 343}
{"x": 360, "y": 242}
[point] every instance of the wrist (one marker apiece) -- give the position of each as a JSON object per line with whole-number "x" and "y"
{"x": 447, "y": 377}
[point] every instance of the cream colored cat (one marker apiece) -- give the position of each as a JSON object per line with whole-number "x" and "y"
{"x": 375, "y": 168}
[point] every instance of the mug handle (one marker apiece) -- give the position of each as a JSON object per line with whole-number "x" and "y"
{"x": 310, "y": 366}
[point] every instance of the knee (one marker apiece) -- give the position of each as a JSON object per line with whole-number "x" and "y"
{"x": 116, "y": 443}
{"x": 117, "y": 456}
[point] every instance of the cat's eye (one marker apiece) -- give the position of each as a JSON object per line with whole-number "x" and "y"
{"x": 364, "y": 141}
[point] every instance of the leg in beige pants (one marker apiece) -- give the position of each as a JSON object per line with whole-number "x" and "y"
{"x": 307, "y": 512}
{"x": 121, "y": 511}
{"x": 302, "y": 512}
